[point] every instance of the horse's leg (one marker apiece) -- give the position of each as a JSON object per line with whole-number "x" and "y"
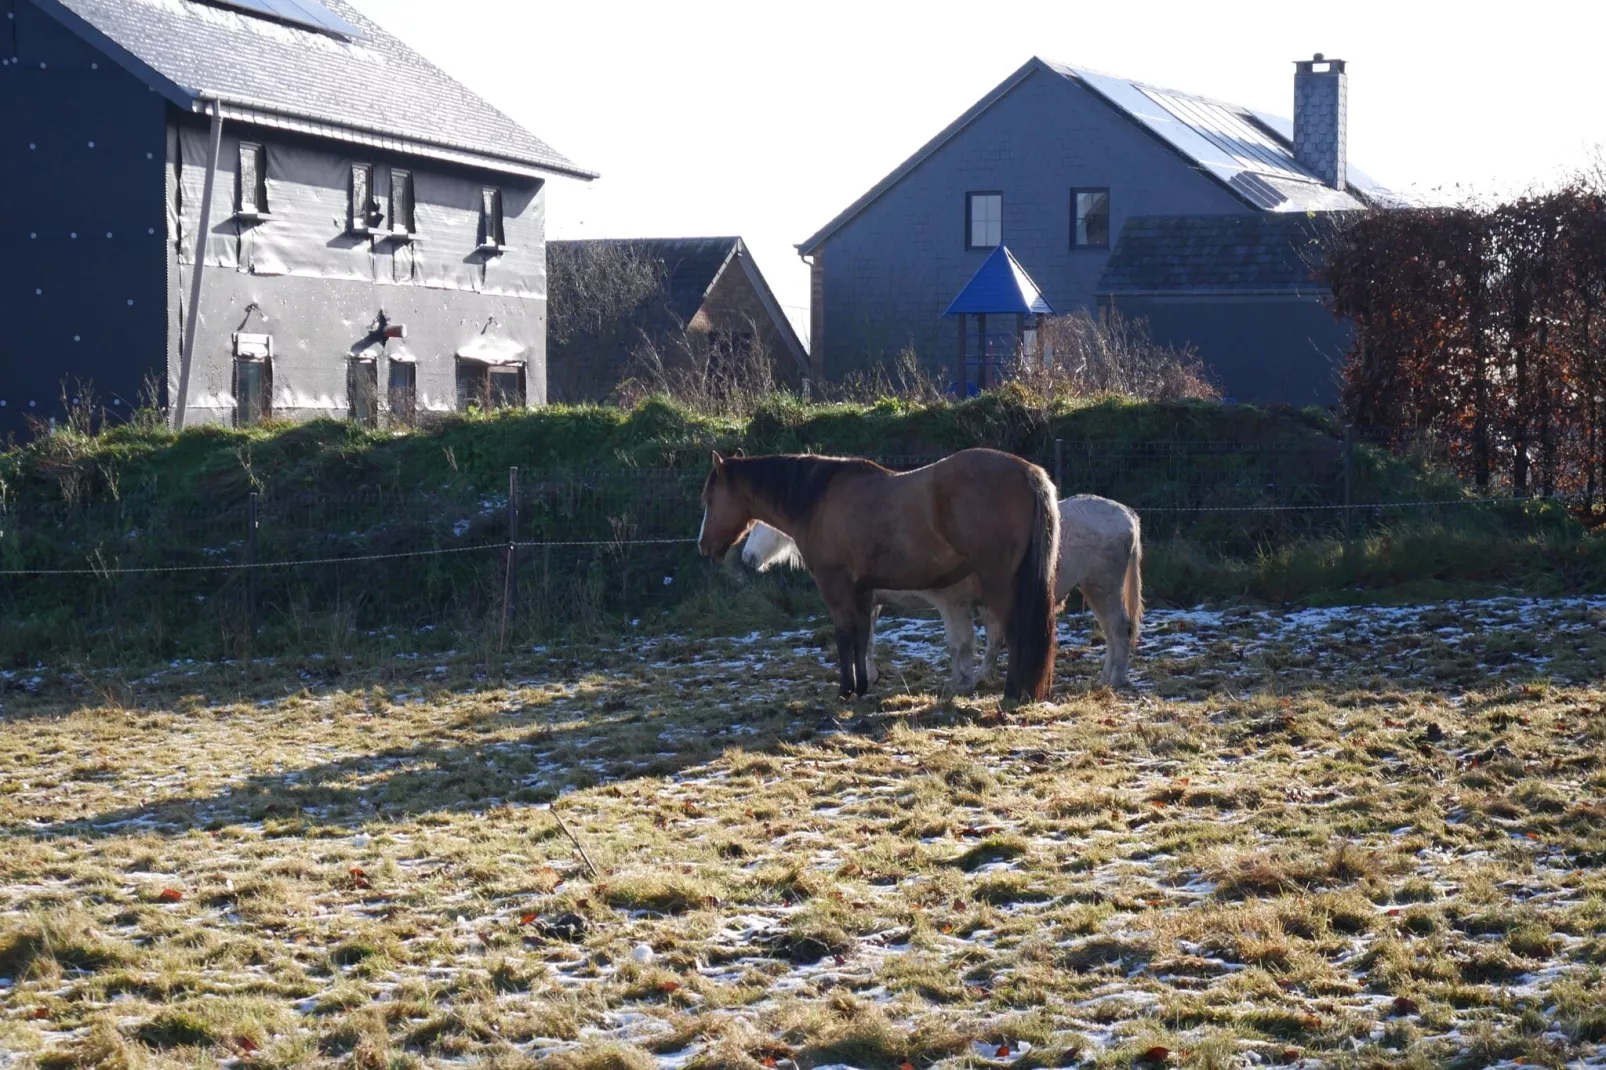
{"x": 1110, "y": 612}
{"x": 961, "y": 633}
{"x": 863, "y": 623}
{"x": 995, "y": 638}
{"x": 843, "y": 601}
{"x": 869, "y": 644}
{"x": 997, "y": 598}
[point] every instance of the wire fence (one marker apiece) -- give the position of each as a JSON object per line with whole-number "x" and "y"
{"x": 556, "y": 548}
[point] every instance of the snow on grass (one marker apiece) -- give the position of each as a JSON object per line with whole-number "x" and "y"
{"x": 1338, "y": 836}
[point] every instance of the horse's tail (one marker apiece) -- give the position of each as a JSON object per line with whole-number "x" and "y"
{"x": 1031, "y": 624}
{"x": 1132, "y": 590}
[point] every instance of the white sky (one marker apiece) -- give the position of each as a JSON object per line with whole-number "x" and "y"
{"x": 765, "y": 118}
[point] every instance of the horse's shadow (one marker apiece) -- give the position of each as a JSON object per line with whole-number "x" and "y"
{"x": 527, "y": 763}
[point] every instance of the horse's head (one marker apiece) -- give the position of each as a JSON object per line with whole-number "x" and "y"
{"x": 726, "y": 513}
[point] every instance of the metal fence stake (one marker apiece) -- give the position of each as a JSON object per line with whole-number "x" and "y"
{"x": 251, "y": 569}
{"x": 1349, "y": 467}
{"x": 510, "y": 581}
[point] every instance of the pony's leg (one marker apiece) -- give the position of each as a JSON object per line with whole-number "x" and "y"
{"x": 995, "y": 639}
{"x": 1110, "y": 612}
{"x": 961, "y": 632}
{"x": 869, "y": 644}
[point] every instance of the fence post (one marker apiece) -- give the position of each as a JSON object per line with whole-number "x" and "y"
{"x": 510, "y": 581}
{"x": 250, "y": 562}
{"x": 1059, "y": 466}
{"x": 1349, "y": 468}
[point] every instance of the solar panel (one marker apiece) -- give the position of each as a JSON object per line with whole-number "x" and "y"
{"x": 1258, "y": 190}
{"x": 307, "y": 13}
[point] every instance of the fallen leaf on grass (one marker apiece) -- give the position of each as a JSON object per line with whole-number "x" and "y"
{"x": 1003, "y": 1051}
{"x": 169, "y": 895}
{"x": 1158, "y": 1054}
{"x": 1405, "y": 1005}
{"x": 666, "y": 987}
{"x": 528, "y": 919}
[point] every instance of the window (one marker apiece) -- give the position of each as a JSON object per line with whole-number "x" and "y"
{"x": 403, "y": 392}
{"x": 362, "y": 391}
{"x": 489, "y": 386}
{"x": 1090, "y": 218}
{"x": 365, "y": 211}
{"x": 984, "y": 220}
{"x": 251, "y": 190}
{"x": 253, "y": 390}
{"x": 491, "y": 236}
{"x": 401, "y": 202}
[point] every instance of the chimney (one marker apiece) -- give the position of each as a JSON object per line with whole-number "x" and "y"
{"x": 1321, "y": 105}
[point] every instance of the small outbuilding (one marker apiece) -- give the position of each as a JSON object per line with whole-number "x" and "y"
{"x": 1003, "y": 290}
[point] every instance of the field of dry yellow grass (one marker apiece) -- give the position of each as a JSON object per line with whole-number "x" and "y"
{"x": 1356, "y": 837}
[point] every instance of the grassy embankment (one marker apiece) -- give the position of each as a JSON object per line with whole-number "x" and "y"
{"x": 141, "y": 496}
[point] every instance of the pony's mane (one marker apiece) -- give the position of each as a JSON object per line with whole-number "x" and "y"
{"x": 793, "y": 483}
{"x": 765, "y": 548}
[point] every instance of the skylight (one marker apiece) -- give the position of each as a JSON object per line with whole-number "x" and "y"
{"x": 307, "y": 13}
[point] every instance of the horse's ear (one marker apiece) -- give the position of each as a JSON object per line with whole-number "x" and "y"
{"x": 739, "y": 452}
{"x": 719, "y": 462}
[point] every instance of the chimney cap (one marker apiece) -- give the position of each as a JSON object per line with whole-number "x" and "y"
{"x": 1309, "y": 66}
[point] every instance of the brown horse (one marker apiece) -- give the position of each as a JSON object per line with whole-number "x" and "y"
{"x": 863, "y": 528}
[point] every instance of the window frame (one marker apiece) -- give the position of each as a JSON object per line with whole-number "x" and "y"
{"x": 264, "y": 406}
{"x": 405, "y": 414}
{"x": 257, "y": 208}
{"x": 409, "y": 202}
{"x": 970, "y": 215}
{"x": 1076, "y": 193}
{"x": 493, "y": 220}
{"x": 369, "y": 367}
{"x": 362, "y": 207}
{"x": 481, "y": 393}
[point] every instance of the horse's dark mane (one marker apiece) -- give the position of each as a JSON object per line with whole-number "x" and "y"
{"x": 793, "y": 483}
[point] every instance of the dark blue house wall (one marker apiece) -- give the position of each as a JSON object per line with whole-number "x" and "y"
{"x": 82, "y": 276}
{"x": 890, "y": 271}
{"x": 1260, "y": 349}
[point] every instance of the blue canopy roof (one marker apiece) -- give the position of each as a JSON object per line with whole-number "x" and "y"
{"x": 1000, "y": 285}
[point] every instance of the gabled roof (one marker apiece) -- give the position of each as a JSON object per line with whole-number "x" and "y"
{"x": 1249, "y": 153}
{"x": 1001, "y": 286}
{"x": 369, "y": 89}
{"x": 1263, "y": 253}
{"x": 694, "y": 266}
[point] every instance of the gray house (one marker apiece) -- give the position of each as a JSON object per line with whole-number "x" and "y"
{"x": 262, "y": 207}
{"x": 1066, "y": 166}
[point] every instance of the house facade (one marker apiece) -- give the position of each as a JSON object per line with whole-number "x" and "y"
{"x": 1055, "y": 163}
{"x": 239, "y": 213}
{"x": 710, "y": 302}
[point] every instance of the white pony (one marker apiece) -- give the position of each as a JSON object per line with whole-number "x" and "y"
{"x": 1101, "y": 552}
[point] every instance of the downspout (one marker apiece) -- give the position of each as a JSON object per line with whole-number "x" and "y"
{"x": 187, "y": 353}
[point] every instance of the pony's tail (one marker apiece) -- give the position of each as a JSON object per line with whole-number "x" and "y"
{"x": 1031, "y": 623}
{"x": 1132, "y": 590}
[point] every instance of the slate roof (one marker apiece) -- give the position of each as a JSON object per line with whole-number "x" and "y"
{"x": 372, "y": 90}
{"x": 1271, "y": 252}
{"x": 1001, "y": 286}
{"x": 1246, "y": 151}
{"x": 693, "y": 266}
